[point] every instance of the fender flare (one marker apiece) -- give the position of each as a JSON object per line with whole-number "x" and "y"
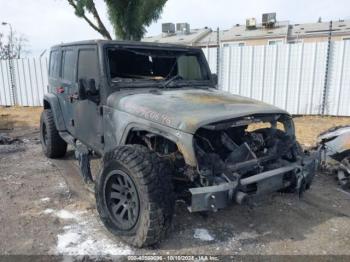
{"x": 183, "y": 141}
{"x": 51, "y": 102}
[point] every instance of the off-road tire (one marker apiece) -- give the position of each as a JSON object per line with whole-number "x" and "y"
{"x": 53, "y": 145}
{"x": 152, "y": 178}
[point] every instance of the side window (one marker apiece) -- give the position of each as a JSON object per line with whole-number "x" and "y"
{"x": 54, "y": 64}
{"x": 88, "y": 64}
{"x": 68, "y": 65}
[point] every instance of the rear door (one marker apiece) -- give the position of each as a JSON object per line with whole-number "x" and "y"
{"x": 55, "y": 74}
{"x": 68, "y": 86}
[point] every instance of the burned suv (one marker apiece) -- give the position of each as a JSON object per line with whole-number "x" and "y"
{"x": 164, "y": 132}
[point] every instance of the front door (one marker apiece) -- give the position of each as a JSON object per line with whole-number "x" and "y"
{"x": 87, "y": 116}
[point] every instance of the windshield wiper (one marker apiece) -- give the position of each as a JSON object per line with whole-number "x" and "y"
{"x": 131, "y": 80}
{"x": 172, "y": 79}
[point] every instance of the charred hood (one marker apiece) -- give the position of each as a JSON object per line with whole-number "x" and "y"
{"x": 187, "y": 110}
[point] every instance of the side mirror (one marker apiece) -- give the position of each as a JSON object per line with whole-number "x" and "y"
{"x": 91, "y": 88}
{"x": 87, "y": 90}
{"x": 214, "y": 78}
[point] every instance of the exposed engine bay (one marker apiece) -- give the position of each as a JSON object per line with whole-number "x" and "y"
{"x": 236, "y": 160}
{"x": 233, "y": 149}
{"x": 247, "y": 157}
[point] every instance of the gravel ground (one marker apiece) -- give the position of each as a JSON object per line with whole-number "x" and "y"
{"x": 45, "y": 209}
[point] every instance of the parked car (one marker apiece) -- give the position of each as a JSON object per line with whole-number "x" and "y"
{"x": 164, "y": 131}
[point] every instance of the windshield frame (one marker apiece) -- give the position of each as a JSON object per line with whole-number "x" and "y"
{"x": 127, "y": 83}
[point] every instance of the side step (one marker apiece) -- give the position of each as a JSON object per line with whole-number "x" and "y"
{"x": 82, "y": 154}
{"x": 68, "y": 138}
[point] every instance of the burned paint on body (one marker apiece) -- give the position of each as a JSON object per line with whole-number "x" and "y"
{"x": 334, "y": 153}
{"x": 336, "y": 139}
{"x": 116, "y": 134}
{"x": 188, "y": 109}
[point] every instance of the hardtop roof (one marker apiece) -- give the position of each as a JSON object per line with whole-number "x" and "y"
{"x": 100, "y": 42}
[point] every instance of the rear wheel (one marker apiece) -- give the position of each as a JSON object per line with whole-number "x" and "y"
{"x": 134, "y": 195}
{"x": 53, "y": 145}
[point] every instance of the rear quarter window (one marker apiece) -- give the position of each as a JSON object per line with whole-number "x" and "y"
{"x": 68, "y": 65}
{"x": 54, "y": 67}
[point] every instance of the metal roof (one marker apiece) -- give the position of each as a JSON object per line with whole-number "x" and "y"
{"x": 205, "y": 36}
{"x": 241, "y": 32}
{"x": 179, "y": 38}
{"x": 283, "y": 29}
{"x": 341, "y": 27}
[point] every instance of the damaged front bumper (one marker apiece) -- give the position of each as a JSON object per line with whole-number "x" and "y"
{"x": 297, "y": 176}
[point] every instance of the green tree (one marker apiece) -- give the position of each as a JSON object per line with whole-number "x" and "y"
{"x": 82, "y": 7}
{"x": 129, "y": 18}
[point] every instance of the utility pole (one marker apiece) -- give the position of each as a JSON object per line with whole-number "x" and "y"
{"x": 218, "y": 54}
{"x": 326, "y": 80}
{"x": 11, "y": 65}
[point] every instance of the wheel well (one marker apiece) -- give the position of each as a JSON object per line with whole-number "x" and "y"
{"x": 47, "y": 105}
{"x": 167, "y": 150}
{"x": 154, "y": 142}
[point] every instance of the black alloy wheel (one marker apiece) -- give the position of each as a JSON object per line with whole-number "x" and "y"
{"x": 122, "y": 199}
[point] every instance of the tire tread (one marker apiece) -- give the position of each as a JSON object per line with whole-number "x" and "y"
{"x": 55, "y": 147}
{"x": 154, "y": 178}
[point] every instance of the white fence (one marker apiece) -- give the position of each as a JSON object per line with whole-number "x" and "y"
{"x": 29, "y": 82}
{"x": 290, "y": 76}
{"x": 338, "y": 92}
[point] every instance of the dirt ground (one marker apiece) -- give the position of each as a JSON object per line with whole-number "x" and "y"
{"x": 45, "y": 209}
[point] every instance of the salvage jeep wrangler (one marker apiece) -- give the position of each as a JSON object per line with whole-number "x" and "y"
{"x": 153, "y": 114}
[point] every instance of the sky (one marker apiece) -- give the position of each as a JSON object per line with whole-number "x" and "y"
{"x": 48, "y": 22}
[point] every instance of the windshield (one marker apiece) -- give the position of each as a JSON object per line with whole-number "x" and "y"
{"x": 155, "y": 65}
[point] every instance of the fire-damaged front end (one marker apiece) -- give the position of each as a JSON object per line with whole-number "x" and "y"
{"x": 242, "y": 158}
{"x": 222, "y": 148}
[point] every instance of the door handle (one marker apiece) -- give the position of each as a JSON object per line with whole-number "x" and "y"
{"x": 60, "y": 90}
{"x": 73, "y": 97}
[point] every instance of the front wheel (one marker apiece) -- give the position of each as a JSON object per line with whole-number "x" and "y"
{"x": 134, "y": 195}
